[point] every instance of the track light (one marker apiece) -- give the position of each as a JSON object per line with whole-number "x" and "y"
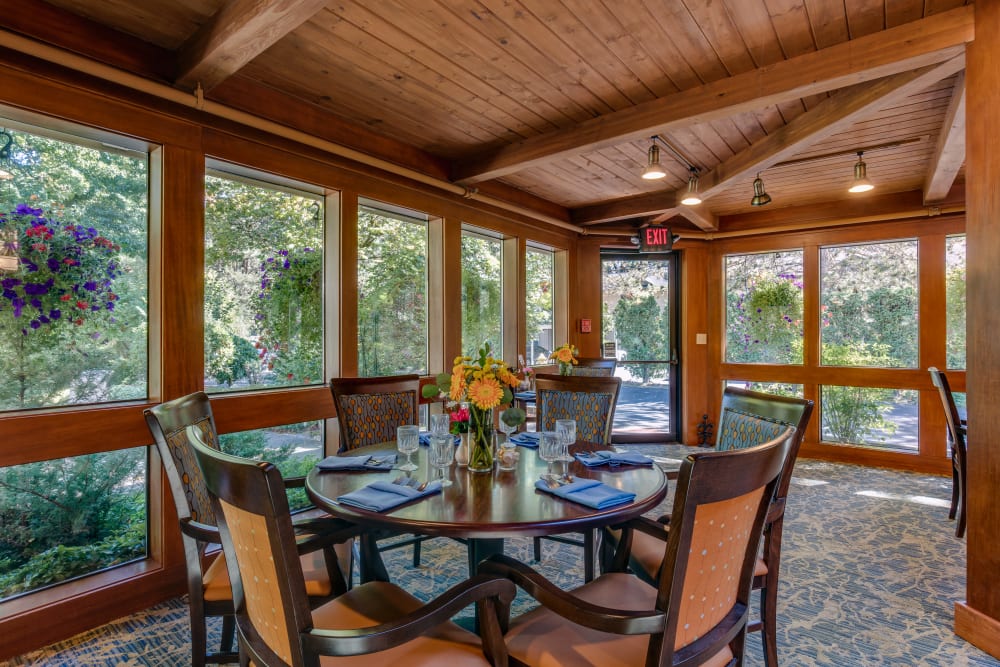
{"x": 654, "y": 169}
{"x": 861, "y": 182}
{"x": 691, "y": 197}
{"x": 759, "y": 196}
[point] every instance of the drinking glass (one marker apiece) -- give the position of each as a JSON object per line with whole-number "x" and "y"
{"x": 549, "y": 450}
{"x": 408, "y": 441}
{"x": 506, "y": 429}
{"x": 566, "y": 428}
{"x": 442, "y": 451}
{"x": 440, "y": 424}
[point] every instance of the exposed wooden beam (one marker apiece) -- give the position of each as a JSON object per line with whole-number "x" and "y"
{"x": 900, "y": 49}
{"x": 238, "y": 33}
{"x": 832, "y": 115}
{"x": 949, "y": 156}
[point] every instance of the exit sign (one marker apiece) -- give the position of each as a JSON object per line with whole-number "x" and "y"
{"x": 655, "y": 239}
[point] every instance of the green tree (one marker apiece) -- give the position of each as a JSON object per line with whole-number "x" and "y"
{"x": 481, "y": 293}
{"x": 638, "y": 334}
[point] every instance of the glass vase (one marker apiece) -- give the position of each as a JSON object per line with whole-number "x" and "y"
{"x": 565, "y": 368}
{"x": 480, "y": 439}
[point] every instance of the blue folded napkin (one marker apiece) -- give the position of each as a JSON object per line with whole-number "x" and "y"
{"x": 524, "y": 395}
{"x": 614, "y": 458}
{"x": 589, "y": 492}
{"x": 381, "y": 496}
{"x": 526, "y": 439}
{"x": 425, "y": 438}
{"x": 367, "y": 462}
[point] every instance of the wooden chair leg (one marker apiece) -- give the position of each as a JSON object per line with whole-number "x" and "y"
{"x": 769, "y": 622}
{"x": 588, "y": 555}
{"x": 228, "y": 633}
{"x": 538, "y": 549}
{"x": 416, "y": 553}
{"x": 962, "y": 493}
{"x": 954, "y": 492}
{"x": 199, "y": 645}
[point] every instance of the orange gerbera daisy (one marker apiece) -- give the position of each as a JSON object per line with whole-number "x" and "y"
{"x": 564, "y": 355}
{"x": 485, "y": 393}
{"x": 457, "y": 391}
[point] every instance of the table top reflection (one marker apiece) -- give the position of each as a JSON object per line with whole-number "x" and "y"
{"x": 491, "y": 505}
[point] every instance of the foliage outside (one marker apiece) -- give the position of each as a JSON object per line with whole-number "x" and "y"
{"x": 636, "y": 294}
{"x": 764, "y": 308}
{"x": 538, "y": 307}
{"x": 955, "y": 301}
{"x": 263, "y": 286}
{"x": 482, "y": 293}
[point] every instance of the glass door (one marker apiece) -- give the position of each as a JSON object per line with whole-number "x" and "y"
{"x": 639, "y": 324}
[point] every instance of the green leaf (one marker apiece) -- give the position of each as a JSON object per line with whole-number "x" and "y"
{"x": 430, "y": 391}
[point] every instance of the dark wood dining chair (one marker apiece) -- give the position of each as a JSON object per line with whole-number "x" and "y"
{"x": 590, "y": 401}
{"x": 594, "y": 367}
{"x": 209, "y": 589}
{"x": 275, "y": 624}
{"x": 368, "y": 412}
{"x": 747, "y": 419}
{"x": 957, "y": 431}
{"x": 697, "y": 610}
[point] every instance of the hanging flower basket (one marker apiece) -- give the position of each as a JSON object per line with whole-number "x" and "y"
{"x": 53, "y": 271}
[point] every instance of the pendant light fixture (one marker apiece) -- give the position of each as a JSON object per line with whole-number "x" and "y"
{"x": 691, "y": 197}
{"x": 654, "y": 170}
{"x": 861, "y": 182}
{"x": 759, "y": 196}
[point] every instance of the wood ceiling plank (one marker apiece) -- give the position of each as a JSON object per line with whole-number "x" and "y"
{"x": 395, "y": 67}
{"x": 828, "y": 22}
{"x": 949, "y": 153}
{"x": 864, "y": 59}
{"x": 680, "y": 28}
{"x": 865, "y": 17}
{"x": 239, "y": 32}
{"x": 754, "y": 24}
{"x": 605, "y": 25}
{"x": 730, "y": 131}
{"x": 638, "y": 21}
{"x": 791, "y": 25}
{"x": 526, "y": 39}
{"x": 721, "y": 33}
{"x": 898, "y": 12}
{"x": 580, "y": 30}
{"x": 397, "y": 39}
{"x": 165, "y": 23}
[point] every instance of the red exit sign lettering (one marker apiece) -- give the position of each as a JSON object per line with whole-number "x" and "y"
{"x": 655, "y": 239}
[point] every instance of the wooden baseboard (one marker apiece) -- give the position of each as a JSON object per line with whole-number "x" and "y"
{"x": 977, "y": 628}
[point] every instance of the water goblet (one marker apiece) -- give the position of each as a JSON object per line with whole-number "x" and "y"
{"x": 408, "y": 441}
{"x": 549, "y": 450}
{"x": 566, "y": 430}
{"x": 440, "y": 424}
{"x": 442, "y": 451}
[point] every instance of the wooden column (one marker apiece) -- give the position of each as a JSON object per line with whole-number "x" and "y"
{"x": 978, "y": 618}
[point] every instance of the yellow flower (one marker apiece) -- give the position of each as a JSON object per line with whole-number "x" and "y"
{"x": 457, "y": 384}
{"x": 564, "y": 355}
{"x": 485, "y": 393}
{"x": 505, "y": 376}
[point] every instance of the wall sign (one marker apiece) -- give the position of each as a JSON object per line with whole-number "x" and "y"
{"x": 655, "y": 238}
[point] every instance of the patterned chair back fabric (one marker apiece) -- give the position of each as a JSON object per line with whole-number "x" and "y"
{"x": 370, "y": 409}
{"x": 589, "y": 400}
{"x": 739, "y": 430}
{"x": 594, "y": 367}
{"x": 168, "y": 424}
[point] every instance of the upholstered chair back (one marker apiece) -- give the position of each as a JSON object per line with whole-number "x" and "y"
{"x": 589, "y": 400}
{"x": 370, "y": 409}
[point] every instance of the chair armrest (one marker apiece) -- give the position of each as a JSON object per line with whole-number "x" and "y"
{"x": 570, "y": 607}
{"x": 295, "y": 482}
{"x": 200, "y": 531}
{"x": 318, "y": 537}
{"x": 406, "y": 628}
{"x": 775, "y": 511}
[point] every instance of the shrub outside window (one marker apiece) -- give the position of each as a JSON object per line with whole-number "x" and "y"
{"x": 263, "y": 285}
{"x": 482, "y": 293}
{"x": 539, "y": 311}
{"x": 73, "y": 272}
{"x": 764, "y": 308}
{"x": 955, "y": 300}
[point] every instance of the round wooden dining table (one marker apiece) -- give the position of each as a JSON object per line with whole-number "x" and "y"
{"x": 485, "y": 508}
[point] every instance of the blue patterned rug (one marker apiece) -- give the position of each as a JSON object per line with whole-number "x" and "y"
{"x": 870, "y": 573}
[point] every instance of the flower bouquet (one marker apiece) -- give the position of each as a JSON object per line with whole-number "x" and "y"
{"x": 565, "y": 356}
{"x": 484, "y": 383}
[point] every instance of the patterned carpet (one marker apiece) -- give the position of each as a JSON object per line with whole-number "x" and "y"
{"x": 870, "y": 573}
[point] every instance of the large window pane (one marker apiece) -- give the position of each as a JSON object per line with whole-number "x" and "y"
{"x": 885, "y": 418}
{"x": 764, "y": 308}
{"x": 73, "y": 267}
{"x": 263, "y": 285}
{"x": 955, "y": 285}
{"x": 539, "y": 275}
{"x": 294, "y": 449}
{"x": 392, "y": 293}
{"x": 869, "y": 305}
{"x": 775, "y": 388}
{"x": 482, "y": 293}
{"x": 66, "y": 518}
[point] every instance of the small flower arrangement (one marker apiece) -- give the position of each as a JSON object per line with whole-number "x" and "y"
{"x": 565, "y": 356}
{"x": 459, "y": 421}
{"x": 63, "y": 273}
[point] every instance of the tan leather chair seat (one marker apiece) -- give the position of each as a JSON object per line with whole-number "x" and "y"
{"x": 216, "y": 579}
{"x": 543, "y": 639}
{"x": 377, "y": 602}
